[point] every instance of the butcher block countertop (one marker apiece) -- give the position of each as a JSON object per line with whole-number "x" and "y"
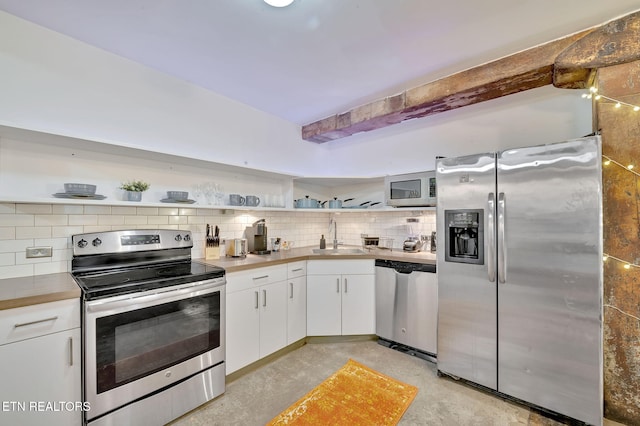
{"x": 306, "y": 253}
{"x": 33, "y": 290}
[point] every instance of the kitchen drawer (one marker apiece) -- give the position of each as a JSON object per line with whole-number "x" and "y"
{"x": 242, "y": 280}
{"x": 297, "y": 269}
{"x": 328, "y": 267}
{"x": 38, "y": 320}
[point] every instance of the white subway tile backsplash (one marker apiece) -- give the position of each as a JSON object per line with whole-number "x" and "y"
{"x": 7, "y": 259}
{"x": 55, "y": 243}
{"x": 51, "y": 268}
{"x": 24, "y": 232}
{"x": 158, "y": 220}
{"x": 67, "y": 209}
{"x": 7, "y": 208}
{"x": 13, "y": 246}
{"x": 168, "y": 211}
{"x": 97, "y": 209}
{"x": 178, "y": 220}
{"x": 16, "y": 271}
{"x": 19, "y": 230}
{"x": 51, "y": 220}
{"x": 124, "y": 210}
{"x": 147, "y": 211}
{"x": 84, "y": 220}
{"x": 110, "y": 219}
{"x": 135, "y": 220}
{"x": 33, "y": 208}
{"x": 7, "y": 233}
{"x": 66, "y": 231}
{"x": 16, "y": 220}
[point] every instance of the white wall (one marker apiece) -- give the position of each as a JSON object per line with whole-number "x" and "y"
{"x": 534, "y": 117}
{"x": 54, "y": 84}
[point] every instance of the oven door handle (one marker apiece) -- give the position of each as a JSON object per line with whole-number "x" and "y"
{"x": 150, "y": 298}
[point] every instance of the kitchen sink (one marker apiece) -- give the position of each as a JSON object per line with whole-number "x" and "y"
{"x": 339, "y": 251}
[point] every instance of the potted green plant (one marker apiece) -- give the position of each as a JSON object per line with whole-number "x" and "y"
{"x": 133, "y": 189}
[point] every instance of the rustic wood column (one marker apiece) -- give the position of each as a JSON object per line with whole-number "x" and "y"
{"x": 621, "y": 142}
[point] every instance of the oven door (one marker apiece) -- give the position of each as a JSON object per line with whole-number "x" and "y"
{"x": 139, "y": 343}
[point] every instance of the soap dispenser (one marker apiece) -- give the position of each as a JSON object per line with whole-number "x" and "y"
{"x": 323, "y": 243}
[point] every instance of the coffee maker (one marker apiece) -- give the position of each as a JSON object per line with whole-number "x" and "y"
{"x": 257, "y": 238}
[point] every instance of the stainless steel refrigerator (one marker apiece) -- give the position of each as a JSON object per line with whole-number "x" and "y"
{"x": 520, "y": 274}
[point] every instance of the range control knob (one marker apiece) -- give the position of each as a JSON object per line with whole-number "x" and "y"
{"x": 187, "y": 237}
{"x": 96, "y": 242}
{"x": 178, "y": 237}
{"x": 82, "y": 243}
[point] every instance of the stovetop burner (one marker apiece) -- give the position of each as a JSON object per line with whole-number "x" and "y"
{"x": 135, "y": 279}
{"x": 122, "y": 262}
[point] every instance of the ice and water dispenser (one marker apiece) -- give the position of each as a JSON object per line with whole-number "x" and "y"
{"x": 464, "y": 239}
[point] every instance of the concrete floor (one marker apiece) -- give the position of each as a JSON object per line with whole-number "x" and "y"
{"x": 257, "y": 397}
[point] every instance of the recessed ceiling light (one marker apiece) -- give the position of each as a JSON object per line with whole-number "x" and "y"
{"x": 278, "y": 3}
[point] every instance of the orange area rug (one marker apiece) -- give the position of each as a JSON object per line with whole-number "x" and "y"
{"x": 353, "y": 395}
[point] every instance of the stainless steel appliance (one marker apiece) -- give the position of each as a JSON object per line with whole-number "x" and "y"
{"x": 153, "y": 326}
{"x": 411, "y": 190}
{"x": 407, "y": 306}
{"x": 520, "y": 274}
{"x": 257, "y": 237}
{"x": 236, "y": 247}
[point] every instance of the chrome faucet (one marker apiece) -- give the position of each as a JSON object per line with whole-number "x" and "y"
{"x": 335, "y": 233}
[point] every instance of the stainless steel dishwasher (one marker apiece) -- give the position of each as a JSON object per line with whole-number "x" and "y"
{"x": 407, "y": 307}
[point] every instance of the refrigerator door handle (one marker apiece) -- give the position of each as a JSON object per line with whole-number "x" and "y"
{"x": 490, "y": 237}
{"x": 502, "y": 249}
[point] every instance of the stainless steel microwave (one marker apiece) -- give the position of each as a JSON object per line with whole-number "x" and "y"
{"x": 411, "y": 190}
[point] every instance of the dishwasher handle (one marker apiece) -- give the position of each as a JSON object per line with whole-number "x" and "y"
{"x": 405, "y": 267}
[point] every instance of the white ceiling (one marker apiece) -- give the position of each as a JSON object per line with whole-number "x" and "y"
{"x": 314, "y": 58}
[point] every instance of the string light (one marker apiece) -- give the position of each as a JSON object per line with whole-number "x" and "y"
{"x": 605, "y": 257}
{"x": 626, "y": 265}
{"x": 628, "y": 167}
{"x": 593, "y": 93}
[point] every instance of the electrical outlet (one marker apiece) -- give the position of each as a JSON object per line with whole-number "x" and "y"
{"x": 39, "y": 252}
{"x": 413, "y": 220}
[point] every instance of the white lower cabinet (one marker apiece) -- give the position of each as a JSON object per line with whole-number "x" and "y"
{"x": 296, "y": 302}
{"x": 340, "y": 297}
{"x": 40, "y": 364}
{"x": 256, "y": 315}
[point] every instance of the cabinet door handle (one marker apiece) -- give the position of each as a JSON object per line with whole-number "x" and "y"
{"x": 337, "y": 285}
{"x": 291, "y": 285}
{"x": 70, "y": 350}
{"x": 24, "y": 324}
{"x": 264, "y": 298}
{"x": 346, "y": 285}
{"x": 257, "y": 296}
{"x": 296, "y": 270}
{"x": 259, "y": 278}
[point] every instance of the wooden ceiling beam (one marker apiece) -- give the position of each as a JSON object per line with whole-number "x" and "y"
{"x": 566, "y": 63}
{"x": 522, "y": 71}
{"x": 616, "y": 42}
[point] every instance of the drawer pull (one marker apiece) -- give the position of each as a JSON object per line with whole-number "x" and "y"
{"x": 259, "y": 278}
{"x": 296, "y": 270}
{"x": 70, "y": 350}
{"x": 24, "y": 324}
